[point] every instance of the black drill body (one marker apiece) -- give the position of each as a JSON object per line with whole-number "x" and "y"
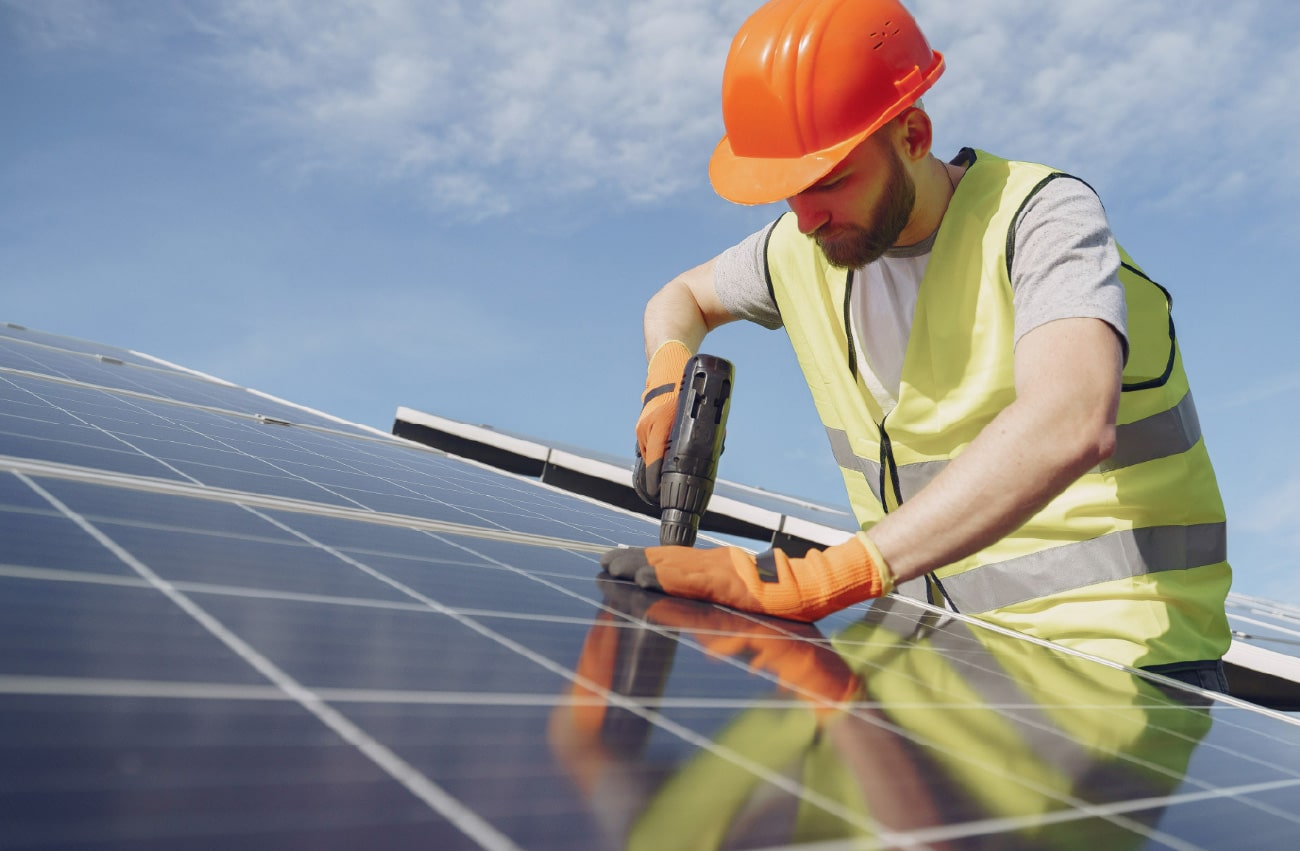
{"x": 691, "y": 464}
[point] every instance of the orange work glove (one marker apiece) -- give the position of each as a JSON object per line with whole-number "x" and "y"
{"x": 663, "y": 384}
{"x": 801, "y": 589}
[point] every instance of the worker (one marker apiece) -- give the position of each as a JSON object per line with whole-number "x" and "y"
{"x": 1000, "y": 382}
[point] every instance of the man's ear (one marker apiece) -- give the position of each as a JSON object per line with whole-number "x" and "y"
{"x": 915, "y": 133}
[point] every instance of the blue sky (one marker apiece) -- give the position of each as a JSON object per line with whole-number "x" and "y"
{"x": 463, "y": 206}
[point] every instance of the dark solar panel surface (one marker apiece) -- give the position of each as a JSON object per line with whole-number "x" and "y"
{"x": 218, "y": 631}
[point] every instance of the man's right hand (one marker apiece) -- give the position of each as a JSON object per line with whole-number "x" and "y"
{"x": 663, "y": 385}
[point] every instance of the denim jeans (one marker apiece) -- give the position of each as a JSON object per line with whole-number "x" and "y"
{"x": 1207, "y": 674}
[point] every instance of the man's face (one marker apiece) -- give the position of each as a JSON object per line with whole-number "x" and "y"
{"x": 853, "y": 217}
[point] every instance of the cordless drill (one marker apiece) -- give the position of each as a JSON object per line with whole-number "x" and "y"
{"x": 691, "y": 464}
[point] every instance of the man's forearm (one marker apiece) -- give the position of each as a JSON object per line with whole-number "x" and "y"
{"x": 1060, "y": 426}
{"x": 672, "y": 314}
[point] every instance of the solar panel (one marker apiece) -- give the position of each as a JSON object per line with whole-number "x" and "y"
{"x": 228, "y": 621}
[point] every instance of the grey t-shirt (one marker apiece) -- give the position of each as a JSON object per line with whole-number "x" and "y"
{"x": 1065, "y": 266}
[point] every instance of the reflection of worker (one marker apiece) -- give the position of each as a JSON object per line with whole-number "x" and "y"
{"x": 971, "y": 334}
{"x": 902, "y": 728}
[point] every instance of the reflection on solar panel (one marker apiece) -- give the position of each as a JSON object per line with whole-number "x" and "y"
{"x": 229, "y": 622}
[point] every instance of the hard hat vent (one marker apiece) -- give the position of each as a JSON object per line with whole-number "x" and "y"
{"x": 883, "y": 34}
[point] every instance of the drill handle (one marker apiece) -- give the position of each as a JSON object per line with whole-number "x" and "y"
{"x": 691, "y": 463}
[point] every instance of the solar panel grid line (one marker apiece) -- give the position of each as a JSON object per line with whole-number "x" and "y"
{"x": 119, "y": 357}
{"x": 129, "y": 392}
{"x": 1265, "y": 604}
{"x": 162, "y": 689}
{"x": 1284, "y": 627}
{"x": 349, "y": 429}
{"x": 528, "y": 481}
{"x": 97, "y": 687}
{"x": 377, "y": 433}
{"x": 45, "y": 469}
{"x": 160, "y": 400}
{"x": 48, "y": 574}
{"x": 1293, "y": 632}
{"x": 206, "y": 588}
{"x": 23, "y": 336}
{"x": 117, "y": 687}
{"x": 416, "y": 783}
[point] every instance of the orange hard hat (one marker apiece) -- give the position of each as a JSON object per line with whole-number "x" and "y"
{"x": 806, "y": 81}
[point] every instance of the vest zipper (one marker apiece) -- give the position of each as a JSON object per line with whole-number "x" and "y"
{"x": 934, "y": 589}
{"x": 848, "y": 326}
{"x": 888, "y": 468}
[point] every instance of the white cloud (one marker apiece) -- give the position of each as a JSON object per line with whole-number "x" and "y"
{"x": 1174, "y": 100}
{"x": 488, "y": 106}
{"x": 484, "y": 106}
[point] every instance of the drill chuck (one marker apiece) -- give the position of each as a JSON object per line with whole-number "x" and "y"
{"x": 691, "y": 463}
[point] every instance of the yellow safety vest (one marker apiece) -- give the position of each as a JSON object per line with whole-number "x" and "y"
{"x": 1129, "y": 562}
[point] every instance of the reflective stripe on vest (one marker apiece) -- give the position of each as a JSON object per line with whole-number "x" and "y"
{"x": 844, "y": 457}
{"x": 1118, "y": 555}
{"x": 1158, "y": 436}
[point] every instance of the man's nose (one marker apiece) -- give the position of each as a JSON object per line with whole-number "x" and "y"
{"x": 809, "y": 214}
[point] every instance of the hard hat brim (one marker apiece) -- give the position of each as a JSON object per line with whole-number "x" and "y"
{"x": 762, "y": 180}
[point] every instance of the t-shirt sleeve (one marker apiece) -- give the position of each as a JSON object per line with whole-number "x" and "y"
{"x": 740, "y": 280}
{"x": 1066, "y": 264}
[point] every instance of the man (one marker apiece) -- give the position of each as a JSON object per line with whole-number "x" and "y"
{"x": 999, "y": 381}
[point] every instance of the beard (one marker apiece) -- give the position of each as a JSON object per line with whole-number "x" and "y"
{"x": 854, "y": 246}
